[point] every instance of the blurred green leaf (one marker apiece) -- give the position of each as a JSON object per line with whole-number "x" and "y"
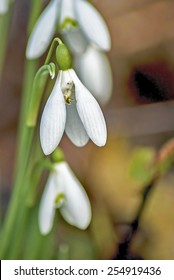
{"x": 165, "y": 165}
{"x": 142, "y": 165}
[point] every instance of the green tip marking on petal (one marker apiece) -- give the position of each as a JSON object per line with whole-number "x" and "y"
{"x": 59, "y": 200}
{"x": 68, "y": 23}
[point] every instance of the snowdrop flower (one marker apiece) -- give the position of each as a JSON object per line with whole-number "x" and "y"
{"x": 64, "y": 191}
{"x": 71, "y": 107}
{"x": 73, "y": 18}
{"x": 4, "y": 4}
{"x": 98, "y": 78}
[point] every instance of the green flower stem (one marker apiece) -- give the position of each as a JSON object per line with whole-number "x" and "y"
{"x": 55, "y": 42}
{"x": 34, "y": 240}
{"x": 16, "y": 244}
{"x": 34, "y": 14}
{"x": 20, "y": 231}
{"x": 29, "y": 198}
{"x": 30, "y": 70}
{"x": 24, "y": 140}
{"x": 36, "y": 243}
{"x": 37, "y": 92}
{"x": 43, "y": 247}
{"x": 30, "y": 212}
{"x": 4, "y": 27}
{"x": 26, "y": 137}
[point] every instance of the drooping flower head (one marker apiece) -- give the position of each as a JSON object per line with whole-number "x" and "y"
{"x": 98, "y": 78}
{"x": 64, "y": 191}
{"x": 71, "y": 107}
{"x": 73, "y": 20}
{"x": 4, "y": 4}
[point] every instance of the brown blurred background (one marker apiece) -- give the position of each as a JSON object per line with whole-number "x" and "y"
{"x": 140, "y": 114}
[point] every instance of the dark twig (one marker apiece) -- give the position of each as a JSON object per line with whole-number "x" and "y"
{"x": 124, "y": 246}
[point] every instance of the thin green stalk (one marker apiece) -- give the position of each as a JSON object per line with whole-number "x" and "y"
{"x": 24, "y": 150}
{"x": 34, "y": 13}
{"x": 25, "y": 211}
{"x": 56, "y": 41}
{"x": 33, "y": 237}
{"x": 37, "y": 245}
{"x": 39, "y": 83}
{"x": 30, "y": 70}
{"x": 17, "y": 244}
{"x": 25, "y": 140}
{"x": 4, "y": 28}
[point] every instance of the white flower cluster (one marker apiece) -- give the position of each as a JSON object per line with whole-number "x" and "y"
{"x": 71, "y": 106}
{"x": 87, "y": 36}
{"x": 4, "y": 4}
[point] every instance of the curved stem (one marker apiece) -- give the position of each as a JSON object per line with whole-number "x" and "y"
{"x": 37, "y": 92}
{"x": 51, "y": 49}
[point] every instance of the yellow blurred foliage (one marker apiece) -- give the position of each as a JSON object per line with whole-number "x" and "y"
{"x": 103, "y": 231}
{"x": 155, "y": 237}
{"x": 109, "y": 178}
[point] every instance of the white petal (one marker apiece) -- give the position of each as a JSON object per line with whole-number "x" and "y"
{"x": 53, "y": 119}
{"x": 76, "y": 41}
{"x": 4, "y": 6}
{"x": 43, "y": 31}
{"x": 93, "y": 25}
{"x": 89, "y": 112}
{"x": 74, "y": 127}
{"x": 67, "y": 12}
{"x": 47, "y": 209}
{"x": 94, "y": 71}
{"x": 76, "y": 209}
{"x": 66, "y": 81}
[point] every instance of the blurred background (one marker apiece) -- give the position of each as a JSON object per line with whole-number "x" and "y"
{"x": 140, "y": 119}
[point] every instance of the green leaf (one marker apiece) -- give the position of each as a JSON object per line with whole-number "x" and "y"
{"x": 141, "y": 165}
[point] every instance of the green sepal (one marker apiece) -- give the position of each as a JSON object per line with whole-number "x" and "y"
{"x": 59, "y": 200}
{"x": 45, "y": 164}
{"x": 68, "y": 22}
{"x": 63, "y": 57}
{"x": 57, "y": 156}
